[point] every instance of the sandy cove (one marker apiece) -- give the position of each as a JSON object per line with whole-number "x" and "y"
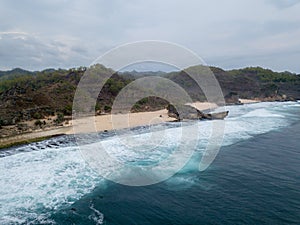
{"x": 104, "y": 123}
{"x": 121, "y": 121}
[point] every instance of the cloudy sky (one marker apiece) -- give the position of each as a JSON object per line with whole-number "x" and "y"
{"x": 229, "y": 34}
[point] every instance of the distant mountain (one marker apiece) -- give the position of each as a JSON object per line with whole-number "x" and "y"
{"x": 14, "y": 72}
{"x": 138, "y": 74}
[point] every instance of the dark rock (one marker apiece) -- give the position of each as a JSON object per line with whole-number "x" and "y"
{"x": 232, "y": 98}
{"x": 189, "y": 112}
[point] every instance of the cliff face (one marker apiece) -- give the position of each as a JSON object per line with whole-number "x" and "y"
{"x": 35, "y": 95}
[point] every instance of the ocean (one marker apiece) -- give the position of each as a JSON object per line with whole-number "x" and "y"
{"x": 253, "y": 180}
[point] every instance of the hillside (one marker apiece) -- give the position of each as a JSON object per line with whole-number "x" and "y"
{"x": 249, "y": 83}
{"x": 38, "y": 95}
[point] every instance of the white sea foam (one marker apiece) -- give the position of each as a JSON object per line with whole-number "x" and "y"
{"x": 244, "y": 122}
{"x": 96, "y": 216}
{"x": 262, "y": 113}
{"x": 35, "y": 182}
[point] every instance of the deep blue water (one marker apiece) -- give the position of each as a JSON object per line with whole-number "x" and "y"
{"x": 255, "y": 179}
{"x": 252, "y": 182}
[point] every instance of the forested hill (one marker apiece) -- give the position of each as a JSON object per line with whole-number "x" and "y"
{"x": 251, "y": 82}
{"x": 26, "y": 95}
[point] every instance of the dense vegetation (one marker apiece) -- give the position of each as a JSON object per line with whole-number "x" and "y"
{"x": 28, "y": 95}
{"x": 251, "y": 82}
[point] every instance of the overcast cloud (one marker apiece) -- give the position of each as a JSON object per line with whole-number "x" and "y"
{"x": 229, "y": 34}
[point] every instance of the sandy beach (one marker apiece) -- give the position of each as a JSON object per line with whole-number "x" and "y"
{"x": 118, "y": 121}
{"x": 248, "y": 101}
{"x": 121, "y": 121}
{"x": 33, "y": 136}
{"x": 106, "y": 123}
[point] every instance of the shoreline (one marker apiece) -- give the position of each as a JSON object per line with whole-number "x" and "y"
{"x": 33, "y": 136}
{"x": 103, "y": 123}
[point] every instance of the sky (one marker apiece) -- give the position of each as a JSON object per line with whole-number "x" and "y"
{"x": 42, "y": 34}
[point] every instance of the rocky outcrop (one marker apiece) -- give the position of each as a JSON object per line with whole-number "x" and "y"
{"x": 215, "y": 116}
{"x": 232, "y": 98}
{"x": 181, "y": 112}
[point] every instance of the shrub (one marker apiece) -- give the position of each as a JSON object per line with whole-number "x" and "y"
{"x": 68, "y": 110}
{"x": 37, "y": 115}
{"x": 38, "y": 123}
{"x": 107, "y": 108}
{"x": 97, "y": 107}
{"x": 59, "y": 118}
